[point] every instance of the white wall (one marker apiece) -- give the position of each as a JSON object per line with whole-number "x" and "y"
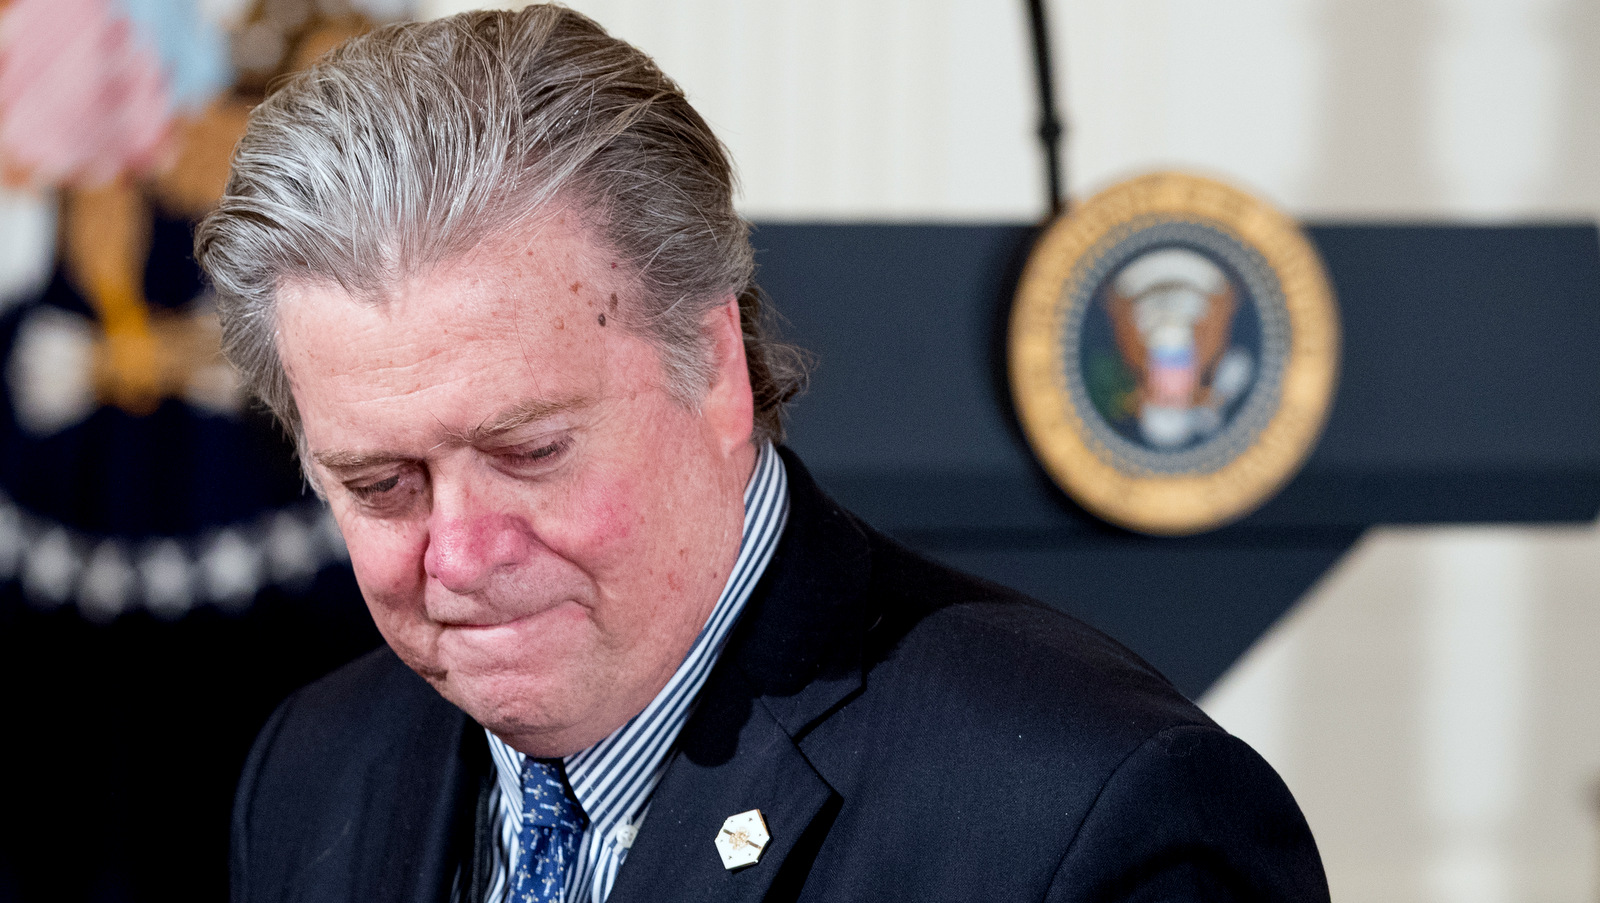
{"x": 1435, "y": 703}
{"x": 924, "y": 108}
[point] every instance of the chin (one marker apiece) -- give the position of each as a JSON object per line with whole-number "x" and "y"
{"x": 509, "y": 704}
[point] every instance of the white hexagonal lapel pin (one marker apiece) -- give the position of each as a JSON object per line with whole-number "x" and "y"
{"x": 742, "y": 839}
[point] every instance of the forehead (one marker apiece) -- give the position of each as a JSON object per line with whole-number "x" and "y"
{"x": 513, "y": 322}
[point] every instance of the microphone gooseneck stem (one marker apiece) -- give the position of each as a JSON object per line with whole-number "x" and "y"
{"x": 1051, "y": 129}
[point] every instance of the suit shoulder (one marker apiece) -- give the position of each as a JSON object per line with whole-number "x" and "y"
{"x": 999, "y": 664}
{"x": 1228, "y": 828}
{"x": 366, "y": 760}
{"x": 1050, "y": 745}
{"x": 354, "y": 711}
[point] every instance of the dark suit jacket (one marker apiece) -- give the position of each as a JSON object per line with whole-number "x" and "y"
{"x": 908, "y": 732}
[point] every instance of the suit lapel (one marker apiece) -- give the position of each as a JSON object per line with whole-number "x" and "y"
{"x": 794, "y": 659}
{"x": 675, "y": 856}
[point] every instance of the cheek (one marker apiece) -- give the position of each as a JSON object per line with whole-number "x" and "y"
{"x": 388, "y": 567}
{"x": 598, "y": 525}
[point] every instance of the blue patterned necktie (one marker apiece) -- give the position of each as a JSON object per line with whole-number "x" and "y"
{"x": 552, "y": 825}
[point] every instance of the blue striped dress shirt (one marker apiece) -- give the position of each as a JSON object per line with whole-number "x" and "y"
{"x": 614, "y": 779}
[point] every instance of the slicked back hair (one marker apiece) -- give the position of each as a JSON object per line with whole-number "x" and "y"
{"x": 409, "y": 146}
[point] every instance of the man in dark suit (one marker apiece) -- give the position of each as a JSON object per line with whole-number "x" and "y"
{"x": 488, "y": 272}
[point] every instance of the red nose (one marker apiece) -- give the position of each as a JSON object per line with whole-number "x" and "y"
{"x": 464, "y": 553}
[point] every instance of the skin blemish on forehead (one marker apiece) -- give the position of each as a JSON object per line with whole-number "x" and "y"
{"x": 613, "y": 304}
{"x": 602, "y": 319}
{"x": 575, "y": 286}
{"x": 560, "y": 323}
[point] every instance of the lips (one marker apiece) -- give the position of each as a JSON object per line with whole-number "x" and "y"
{"x": 475, "y": 622}
{"x": 490, "y": 620}
{"x": 482, "y": 625}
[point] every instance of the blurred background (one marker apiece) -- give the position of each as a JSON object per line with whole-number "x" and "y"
{"x": 1433, "y": 701}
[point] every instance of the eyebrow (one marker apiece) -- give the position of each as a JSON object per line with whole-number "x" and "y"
{"x": 528, "y": 411}
{"x": 338, "y": 459}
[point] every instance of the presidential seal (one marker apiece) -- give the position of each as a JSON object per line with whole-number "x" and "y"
{"x": 1173, "y": 352}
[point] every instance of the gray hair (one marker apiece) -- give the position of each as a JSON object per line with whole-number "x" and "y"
{"x": 409, "y": 146}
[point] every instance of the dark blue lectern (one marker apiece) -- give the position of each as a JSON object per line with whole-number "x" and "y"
{"x": 1470, "y": 392}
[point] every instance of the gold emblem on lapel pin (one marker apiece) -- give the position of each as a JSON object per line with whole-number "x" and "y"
{"x": 742, "y": 839}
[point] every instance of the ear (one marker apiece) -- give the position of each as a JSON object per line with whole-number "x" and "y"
{"x": 728, "y": 407}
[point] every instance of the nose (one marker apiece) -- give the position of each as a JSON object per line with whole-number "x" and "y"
{"x": 466, "y": 548}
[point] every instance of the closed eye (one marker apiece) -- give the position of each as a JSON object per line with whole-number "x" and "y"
{"x": 535, "y": 459}
{"x": 394, "y": 495}
{"x": 373, "y": 490}
{"x": 544, "y": 451}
